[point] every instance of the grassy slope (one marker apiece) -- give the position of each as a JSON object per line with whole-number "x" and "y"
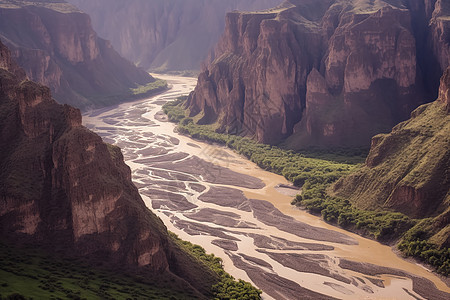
{"x": 416, "y": 154}
{"x": 315, "y": 176}
{"x": 38, "y": 275}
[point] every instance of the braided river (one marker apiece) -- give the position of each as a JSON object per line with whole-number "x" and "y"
{"x": 213, "y": 197}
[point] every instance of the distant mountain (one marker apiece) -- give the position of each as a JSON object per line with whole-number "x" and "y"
{"x": 164, "y": 35}
{"x": 65, "y": 191}
{"x": 326, "y": 73}
{"x": 56, "y": 45}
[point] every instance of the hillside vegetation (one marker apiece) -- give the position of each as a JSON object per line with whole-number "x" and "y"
{"x": 30, "y": 274}
{"x": 315, "y": 176}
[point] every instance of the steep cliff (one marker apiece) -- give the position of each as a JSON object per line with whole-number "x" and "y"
{"x": 64, "y": 189}
{"x": 408, "y": 170}
{"x": 164, "y": 35}
{"x": 56, "y": 45}
{"x": 322, "y": 73}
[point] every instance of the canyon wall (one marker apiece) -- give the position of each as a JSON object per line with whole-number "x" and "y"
{"x": 55, "y": 44}
{"x": 408, "y": 169}
{"x": 328, "y": 73}
{"x": 164, "y": 35}
{"x": 64, "y": 190}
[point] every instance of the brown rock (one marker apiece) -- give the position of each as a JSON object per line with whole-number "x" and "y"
{"x": 407, "y": 169}
{"x": 444, "y": 90}
{"x": 164, "y": 35}
{"x": 60, "y": 181}
{"x": 57, "y": 47}
{"x": 63, "y": 189}
{"x": 324, "y": 73}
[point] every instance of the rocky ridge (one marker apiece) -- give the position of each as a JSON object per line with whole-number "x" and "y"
{"x": 55, "y": 44}
{"x": 164, "y": 35}
{"x": 322, "y": 73}
{"x": 65, "y": 190}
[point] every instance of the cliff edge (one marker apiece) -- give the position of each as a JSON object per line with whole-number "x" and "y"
{"x": 66, "y": 191}
{"x": 164, "y": 35}
{"x": 329, "y": 73}
{"x": 56, "y": 46}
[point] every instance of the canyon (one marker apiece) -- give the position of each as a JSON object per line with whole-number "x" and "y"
{"x": 164, "y": 35}
{"x": 211, "y": 196}
{"x": 64, "y": 190}
{"x": 323, "y": 73}
{"x": 55, "y": 44}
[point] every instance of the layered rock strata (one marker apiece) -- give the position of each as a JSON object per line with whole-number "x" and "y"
{"x": 322, "y": 73}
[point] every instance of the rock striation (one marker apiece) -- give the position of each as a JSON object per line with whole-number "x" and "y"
{"x": 164, "y": 35}
{"x": 407, "y": 170}
{"x": 55, "y": 44}
{"x": 444, "y": 91}
{"x": 65, "y": 190}
{"x": 323, "y": 73}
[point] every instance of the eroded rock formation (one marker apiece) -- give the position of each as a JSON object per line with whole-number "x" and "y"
{"x": 323, "y": 73}
{"x": 55, "y": 44}
{"x": 408, "y": 169}
{"x": 65, "y": 190}
{"x": 164, "y": 35}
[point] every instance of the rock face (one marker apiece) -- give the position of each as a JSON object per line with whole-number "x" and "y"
{"x": 164, "y": 35}
{"x": 444, "y": 91}
{"x": 323, "y": 73}
{"x": 64, "y": 189}
{"x": 56, "y": 45}
{"x": 408, "y": 170}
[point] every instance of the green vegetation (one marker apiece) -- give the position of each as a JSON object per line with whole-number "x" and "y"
{"x": 27, "y": 273}
{"x": 228, "y": 287}
{"x": 416, "y": 243}
{"x": 314, "y": 171}
{"x": 34, "y": 275}
{"x": 152, "y": 87}
{"x": 311, "y": 173}
{"x": 380, "y": 225}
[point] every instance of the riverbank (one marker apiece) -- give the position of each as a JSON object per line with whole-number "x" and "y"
{"x": 241, "y": 225}
{"x": 315, "y": 176}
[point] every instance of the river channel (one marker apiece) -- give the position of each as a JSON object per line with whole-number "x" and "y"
{"x": 211, "y": 196}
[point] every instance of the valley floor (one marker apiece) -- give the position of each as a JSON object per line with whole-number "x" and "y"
{"x": 211, "y": 196}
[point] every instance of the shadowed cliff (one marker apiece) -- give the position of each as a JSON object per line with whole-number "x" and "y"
{"x": 56, "y": 45}
{"x": 65, "y": 191}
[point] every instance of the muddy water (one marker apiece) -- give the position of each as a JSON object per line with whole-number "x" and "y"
{"x": 211, "y": 196}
